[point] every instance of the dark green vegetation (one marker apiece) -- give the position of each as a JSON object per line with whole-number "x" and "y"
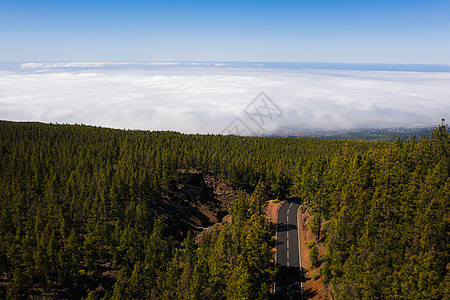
{"x": 80, "y": 208}
{"x": 79, "y": 213}
{"x": 384, "y": 216}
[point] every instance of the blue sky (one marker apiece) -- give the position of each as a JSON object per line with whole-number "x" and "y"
{"x": 305, "y": 31}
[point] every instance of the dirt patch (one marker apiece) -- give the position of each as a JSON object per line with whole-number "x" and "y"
{"x": 211, "y": 210}
{"x": 313, "y": 287}
{"x": 198, "y": 202}
{"x": 272, "y": 210}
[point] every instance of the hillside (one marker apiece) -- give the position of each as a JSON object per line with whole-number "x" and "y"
{"x": 105, "y": 213}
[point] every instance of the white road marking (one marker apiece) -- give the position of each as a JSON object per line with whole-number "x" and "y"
{"x": 287, "y": 253}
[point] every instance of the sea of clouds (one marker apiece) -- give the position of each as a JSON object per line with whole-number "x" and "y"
{"x": 206, "y": 97}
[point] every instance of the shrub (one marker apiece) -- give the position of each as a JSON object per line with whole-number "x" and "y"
{"x": 314, "y": 256}
{"x": 315, "y": 276}
{"x": 326, "y": 272}
{"x": 311, "y": 243}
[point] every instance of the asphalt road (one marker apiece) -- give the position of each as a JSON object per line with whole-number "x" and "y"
{"x": 288, "y": 280}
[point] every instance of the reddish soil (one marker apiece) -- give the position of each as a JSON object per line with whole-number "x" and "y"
{"x": 312, "y": 289}
{"x": 272, "y": 210}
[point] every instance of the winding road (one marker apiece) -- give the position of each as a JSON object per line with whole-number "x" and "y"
{"x": 288, "y": 283}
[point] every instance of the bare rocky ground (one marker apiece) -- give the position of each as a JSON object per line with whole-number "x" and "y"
{"x": 196, "y": 202}
{"x": 211, "y": 207}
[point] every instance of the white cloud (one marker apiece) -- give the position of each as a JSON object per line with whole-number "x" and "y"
{"x": 93, "y": 64}
{"x": 206, "y": 99}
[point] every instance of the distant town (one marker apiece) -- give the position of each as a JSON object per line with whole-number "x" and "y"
{"x": 387, "y": 134}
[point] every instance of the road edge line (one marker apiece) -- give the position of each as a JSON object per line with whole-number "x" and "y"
{"x": 276, "y": 248}
{"x": 300, "y": 251}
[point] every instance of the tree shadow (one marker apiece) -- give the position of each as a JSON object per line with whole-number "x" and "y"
{"x": 308, "y": 294}
{"x": 287, "y": 283}
{"x": 294, "y": 199}
{"x": 285, "y": 227}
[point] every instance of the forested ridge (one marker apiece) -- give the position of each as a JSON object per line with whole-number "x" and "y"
{"x": 78, "y": 200}
{"x": 384, "y": 217}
